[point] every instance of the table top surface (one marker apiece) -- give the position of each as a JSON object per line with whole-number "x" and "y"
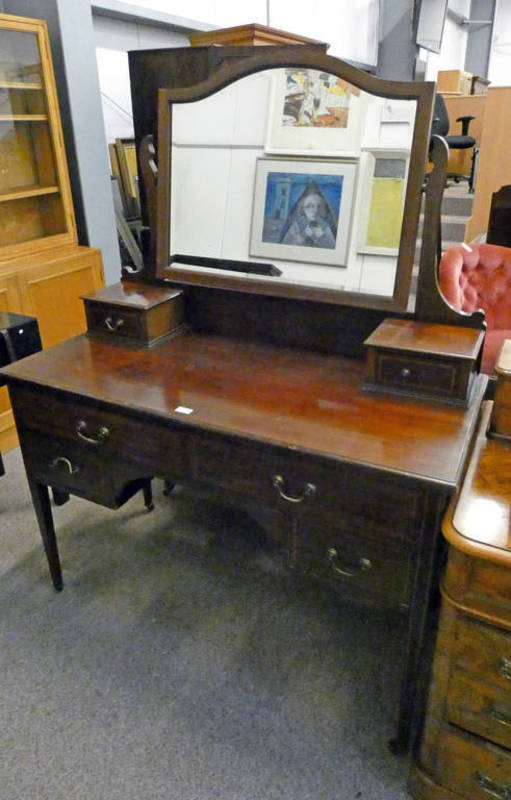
{"x": 479, "y": 520}
{"x": 292, "y": 398}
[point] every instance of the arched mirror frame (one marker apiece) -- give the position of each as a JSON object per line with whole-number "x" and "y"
{"x": 226, "y": 74}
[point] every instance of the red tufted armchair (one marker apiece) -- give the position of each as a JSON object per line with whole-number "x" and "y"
{"x": 479, "y": 276}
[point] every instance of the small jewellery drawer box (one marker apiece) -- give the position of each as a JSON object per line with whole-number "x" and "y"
{"x": 135, "y": 312}
{"x": 423, "y": 359}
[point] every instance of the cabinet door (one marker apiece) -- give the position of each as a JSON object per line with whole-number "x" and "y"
{"x": 9, "y": 301}
{"x": 51, "y": 292}
{"x": 35, "y": 200}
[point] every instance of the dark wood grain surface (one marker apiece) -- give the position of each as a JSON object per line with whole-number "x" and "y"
{"x": 282, "y": 396}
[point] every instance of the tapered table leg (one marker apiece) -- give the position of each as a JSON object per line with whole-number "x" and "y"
{"x": 42, "y": 506}
{"x": 148, "y": 496}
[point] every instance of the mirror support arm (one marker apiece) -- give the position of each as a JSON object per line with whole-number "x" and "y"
{"x": 431, "y": 306}
{"x": 148, "y": 171}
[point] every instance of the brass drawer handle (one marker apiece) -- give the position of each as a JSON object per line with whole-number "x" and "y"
{"x": 66, "y": 462}
{"x": 102, "y": 434}
{"x": 363, "y": 564}
{"x": 113, "y": 325}
{"x": 405, "y": 373}
{"x": 505, "y": 668}
{"x": 501, "y": 717}
{"x": 280, "y": 485}
{"x": 492, "y": 787}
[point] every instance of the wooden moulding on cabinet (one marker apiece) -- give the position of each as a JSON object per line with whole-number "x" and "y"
{"x": 252, "y": 34}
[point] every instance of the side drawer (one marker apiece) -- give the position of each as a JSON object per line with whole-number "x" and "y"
{"x": 124, "y": 322}
{"x": 471, "y": 767}
{"x": 484, "y": 652}
{"x": 420, "y": 374}
{"x": 77, "y": 471}
{"x": 150, "y": 444}
{"x": 355, "y": 561}
{"x": 480, "y": 708}
{"x": 308, "y": 484}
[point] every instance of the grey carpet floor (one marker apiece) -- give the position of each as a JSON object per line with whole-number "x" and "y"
{"x": 179, "y": 662}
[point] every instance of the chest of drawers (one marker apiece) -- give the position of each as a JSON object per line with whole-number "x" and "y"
{"x": 465, "y": 751}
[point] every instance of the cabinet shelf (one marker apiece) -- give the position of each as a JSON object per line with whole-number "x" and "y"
{"x": 23, "y": 118}
{"x": 20, "y": 193}
{"x": 20, "y": 85}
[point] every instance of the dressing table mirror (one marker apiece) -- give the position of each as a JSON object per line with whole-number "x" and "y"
{"x": 236, "y": 358}
{"x": 300, "y": 173}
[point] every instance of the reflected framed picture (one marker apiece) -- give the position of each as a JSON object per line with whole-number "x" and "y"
{"x": 384, "y": 180}
{"x": 302, "y": 210}
{"x": 314, "y": 112}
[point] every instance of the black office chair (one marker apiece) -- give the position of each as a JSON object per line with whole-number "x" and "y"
{"x": 440, "y": 127}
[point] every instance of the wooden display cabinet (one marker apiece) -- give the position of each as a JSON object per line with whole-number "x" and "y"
{"x": 43, "y": 269}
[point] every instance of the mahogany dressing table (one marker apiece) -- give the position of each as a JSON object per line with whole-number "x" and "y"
{"x": 255, "y": 383}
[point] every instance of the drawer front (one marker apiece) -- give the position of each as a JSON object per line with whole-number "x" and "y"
{"x": 480, "y": 708}
{"x": 351, "y": 559}
{"x": 302, "y": 484}
{"x": 480, "y": 585}
{"x": 73, "y": 469}
{"x": 433, "y": 377}
{"x": 472, "y": 768}
{"x": 109, "y": 435}
{"x": 483, "y": 652}
{"x": 116, "y": 320}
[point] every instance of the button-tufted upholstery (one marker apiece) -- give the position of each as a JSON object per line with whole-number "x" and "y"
{"x": 479, "y": 276}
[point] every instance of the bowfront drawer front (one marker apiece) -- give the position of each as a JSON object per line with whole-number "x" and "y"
{"x": 473, "y": 768}
{"x": 155, "y": 447}
{"x": 480, "y": 708}
{"x": 479, "y": 584}
{"x": 483, "y": 651}
{"x": 350, "y": 559}
{"x": 420, "y": 374}
{"x": 304, "y": 484}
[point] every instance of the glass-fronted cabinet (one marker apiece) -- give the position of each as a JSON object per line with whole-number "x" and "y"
{"x": 35, "y": 202}
{"x": 43, "y": 269}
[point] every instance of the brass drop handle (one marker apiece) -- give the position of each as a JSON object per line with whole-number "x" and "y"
{"x": 501, "y": 717}
{"x": 505, "y": 668}
{"x": 280, "y": 485}
{"x": 362, "y": 565}
{"x": 102, "y": 434}
{"x": 493, "y": 788}
{"x": 113, "y": 325}
{"x": 66, "y": 462}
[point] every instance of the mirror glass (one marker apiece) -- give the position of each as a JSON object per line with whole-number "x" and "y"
{"x": 299, "y": 175}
